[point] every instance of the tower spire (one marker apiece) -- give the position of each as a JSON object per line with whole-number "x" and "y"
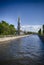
{"x": 18, "y": 25}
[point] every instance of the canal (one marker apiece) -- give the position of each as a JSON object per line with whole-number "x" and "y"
{"x": 23, "y": 51}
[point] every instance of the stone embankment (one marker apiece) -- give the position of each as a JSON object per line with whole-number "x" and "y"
{"x": 11, "y": 38}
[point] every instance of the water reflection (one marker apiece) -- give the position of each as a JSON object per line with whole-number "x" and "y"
{"x": 42, "y": 53}
{"x": 27, "y": 50}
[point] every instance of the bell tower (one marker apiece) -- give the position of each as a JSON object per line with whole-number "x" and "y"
{"x": 18, "y": 25}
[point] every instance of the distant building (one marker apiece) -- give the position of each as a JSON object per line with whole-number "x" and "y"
{"x": 18, "y": 25}
{"x": 21, "y": 32}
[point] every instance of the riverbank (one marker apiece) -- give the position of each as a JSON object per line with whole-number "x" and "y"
{"x": 11, "y": 38}
{"x": 41, "y": 37}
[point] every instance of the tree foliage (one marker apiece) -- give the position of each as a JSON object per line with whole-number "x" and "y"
{"x": 39, "y": 32}
{"x": 43, "y": 29}
{"x": 7, "y": 29}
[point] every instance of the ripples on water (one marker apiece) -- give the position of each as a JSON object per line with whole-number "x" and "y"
{"x": 25, "y": 51}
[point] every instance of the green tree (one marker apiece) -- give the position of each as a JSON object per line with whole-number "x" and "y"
{"x": 6, "y": 29}
{"x": 39, "y": 32}
{"x": 43, "y": 29}
{"x": 12, "y": 29}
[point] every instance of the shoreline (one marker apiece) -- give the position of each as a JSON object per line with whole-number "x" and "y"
{"x": 41, "y": 37}
{"x": 11, "y": 38}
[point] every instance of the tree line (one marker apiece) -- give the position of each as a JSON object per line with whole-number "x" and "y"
{"x": 7, "y": 29}
{"x": 41, "y": 31}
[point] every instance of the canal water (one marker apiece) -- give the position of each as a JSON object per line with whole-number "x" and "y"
{"x": 23, "y": 51}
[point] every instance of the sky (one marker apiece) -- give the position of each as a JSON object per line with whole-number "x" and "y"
{"x": 31, "y": 13}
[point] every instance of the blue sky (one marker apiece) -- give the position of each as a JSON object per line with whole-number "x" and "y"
{"x": 31, "y": 13}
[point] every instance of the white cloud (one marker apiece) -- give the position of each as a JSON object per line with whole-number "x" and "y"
{"x": 33, "y": 28}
